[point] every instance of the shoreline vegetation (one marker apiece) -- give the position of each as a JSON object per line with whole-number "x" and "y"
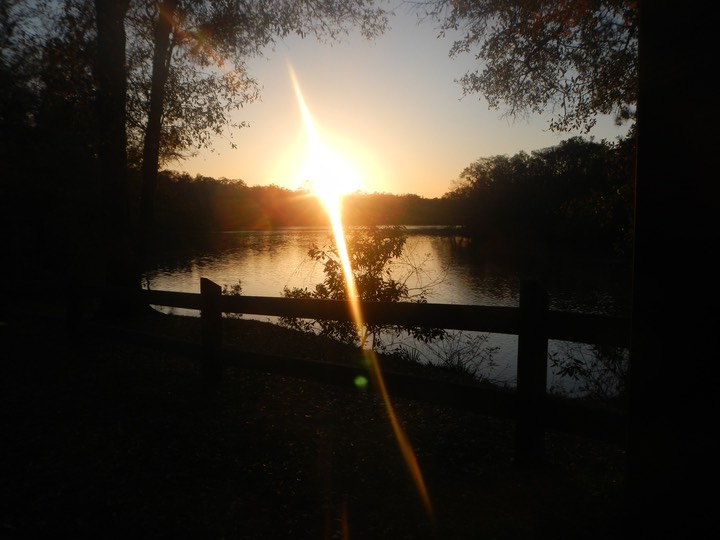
{"x": 112, "y": 438}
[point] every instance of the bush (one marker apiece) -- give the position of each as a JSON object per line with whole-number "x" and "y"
{"x": 380, "y": 274}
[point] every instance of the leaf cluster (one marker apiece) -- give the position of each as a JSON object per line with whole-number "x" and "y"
{"x": 575, "y": 59}
{"x": 374, "y": 254}
{"x": 601, "y": 371}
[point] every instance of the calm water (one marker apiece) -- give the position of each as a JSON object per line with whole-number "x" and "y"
{"x": 267, "y": 261}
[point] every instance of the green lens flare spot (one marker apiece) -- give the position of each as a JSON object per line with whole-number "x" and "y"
{"x": 361, "y": 382}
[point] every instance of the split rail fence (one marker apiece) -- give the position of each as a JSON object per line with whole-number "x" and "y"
{"x": 528, "y": 404}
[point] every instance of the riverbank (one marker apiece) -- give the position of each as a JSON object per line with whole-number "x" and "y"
{"x": 107, "y": 438}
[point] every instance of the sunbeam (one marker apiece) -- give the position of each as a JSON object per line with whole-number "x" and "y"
{"x": 331, "y": 178}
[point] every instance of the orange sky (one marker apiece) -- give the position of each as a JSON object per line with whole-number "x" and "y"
{"x": 390, "y": 109}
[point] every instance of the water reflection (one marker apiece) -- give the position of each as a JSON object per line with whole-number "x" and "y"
{"x": 267, "y": 261}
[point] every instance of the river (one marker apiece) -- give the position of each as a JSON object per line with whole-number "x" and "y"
{"x": 265, "y": 262}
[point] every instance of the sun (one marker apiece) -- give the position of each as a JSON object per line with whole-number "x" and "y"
{"x": 325, "y": 171}
{"x": 328, "y": 174}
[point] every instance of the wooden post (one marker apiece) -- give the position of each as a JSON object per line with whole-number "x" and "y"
{"x": 531, "y": 374}
{"x": 211, "y": 330}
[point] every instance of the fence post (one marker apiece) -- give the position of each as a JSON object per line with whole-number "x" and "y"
{"x": 211, "y": 330}
{"x": 531, "y": 374}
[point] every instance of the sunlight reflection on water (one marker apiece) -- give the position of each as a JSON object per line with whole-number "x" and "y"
{"x": 265, "y": 262}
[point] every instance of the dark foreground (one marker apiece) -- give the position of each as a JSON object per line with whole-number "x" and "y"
{"x": 106, "y": 439}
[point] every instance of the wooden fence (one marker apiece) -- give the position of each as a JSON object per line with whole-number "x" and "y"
{"x": 528, "y": 404}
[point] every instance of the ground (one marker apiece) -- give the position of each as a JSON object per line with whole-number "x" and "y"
{"x": 105, "y": 438}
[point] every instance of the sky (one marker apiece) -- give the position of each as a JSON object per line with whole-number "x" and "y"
{"x": 390, "y": 108}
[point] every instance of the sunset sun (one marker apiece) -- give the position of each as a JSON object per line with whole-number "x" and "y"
{"x": 329, "y": 177}
{"x": 325, "y": 171}
{"x": 328, "y": 174}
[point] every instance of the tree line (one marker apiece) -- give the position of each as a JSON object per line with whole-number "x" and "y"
{"x": 575, "y": 196}
{"x": 205, "y": 204}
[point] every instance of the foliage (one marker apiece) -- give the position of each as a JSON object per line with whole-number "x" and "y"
{"x": 206, "y": 57}
{"x": 461, "y": 353}
{"x": 210, "y": 44}
{"x": 601, "y": 371}
{"x": 380, "y": 275}
{"x": 578, "y": 59}
{"x": 233, "y": 290}
{"x": 48, "y": 135}
{"x": 578, "y": 194}
{"x": 44, "y": 96}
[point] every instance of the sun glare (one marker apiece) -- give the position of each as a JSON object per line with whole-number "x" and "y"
{"x": 330, "y": 177}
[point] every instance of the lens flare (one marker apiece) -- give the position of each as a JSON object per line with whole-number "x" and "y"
{"x": 329, "y": 175}
{"x": 331, "y": 178}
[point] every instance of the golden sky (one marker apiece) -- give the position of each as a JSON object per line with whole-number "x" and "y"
{"x": 389, "y": 108}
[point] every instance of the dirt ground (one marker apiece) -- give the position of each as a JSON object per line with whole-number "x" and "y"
{"x": 109, "y": 439}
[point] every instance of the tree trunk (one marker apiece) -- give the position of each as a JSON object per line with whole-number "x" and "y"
{"x": 120, "y": 260}
{"x": 151, "y": 147}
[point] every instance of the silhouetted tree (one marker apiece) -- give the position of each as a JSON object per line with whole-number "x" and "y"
{"x": 47, "y": 134}
{"x": 579, "y": 59}
{"x": 111, "y": 80}
{"x": 191, "y": 93}
{"x": 577, "y": 195}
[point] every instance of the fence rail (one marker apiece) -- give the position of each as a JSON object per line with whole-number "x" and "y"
{"x": 576, "y": 327}
{"x": 529, "y": 405}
